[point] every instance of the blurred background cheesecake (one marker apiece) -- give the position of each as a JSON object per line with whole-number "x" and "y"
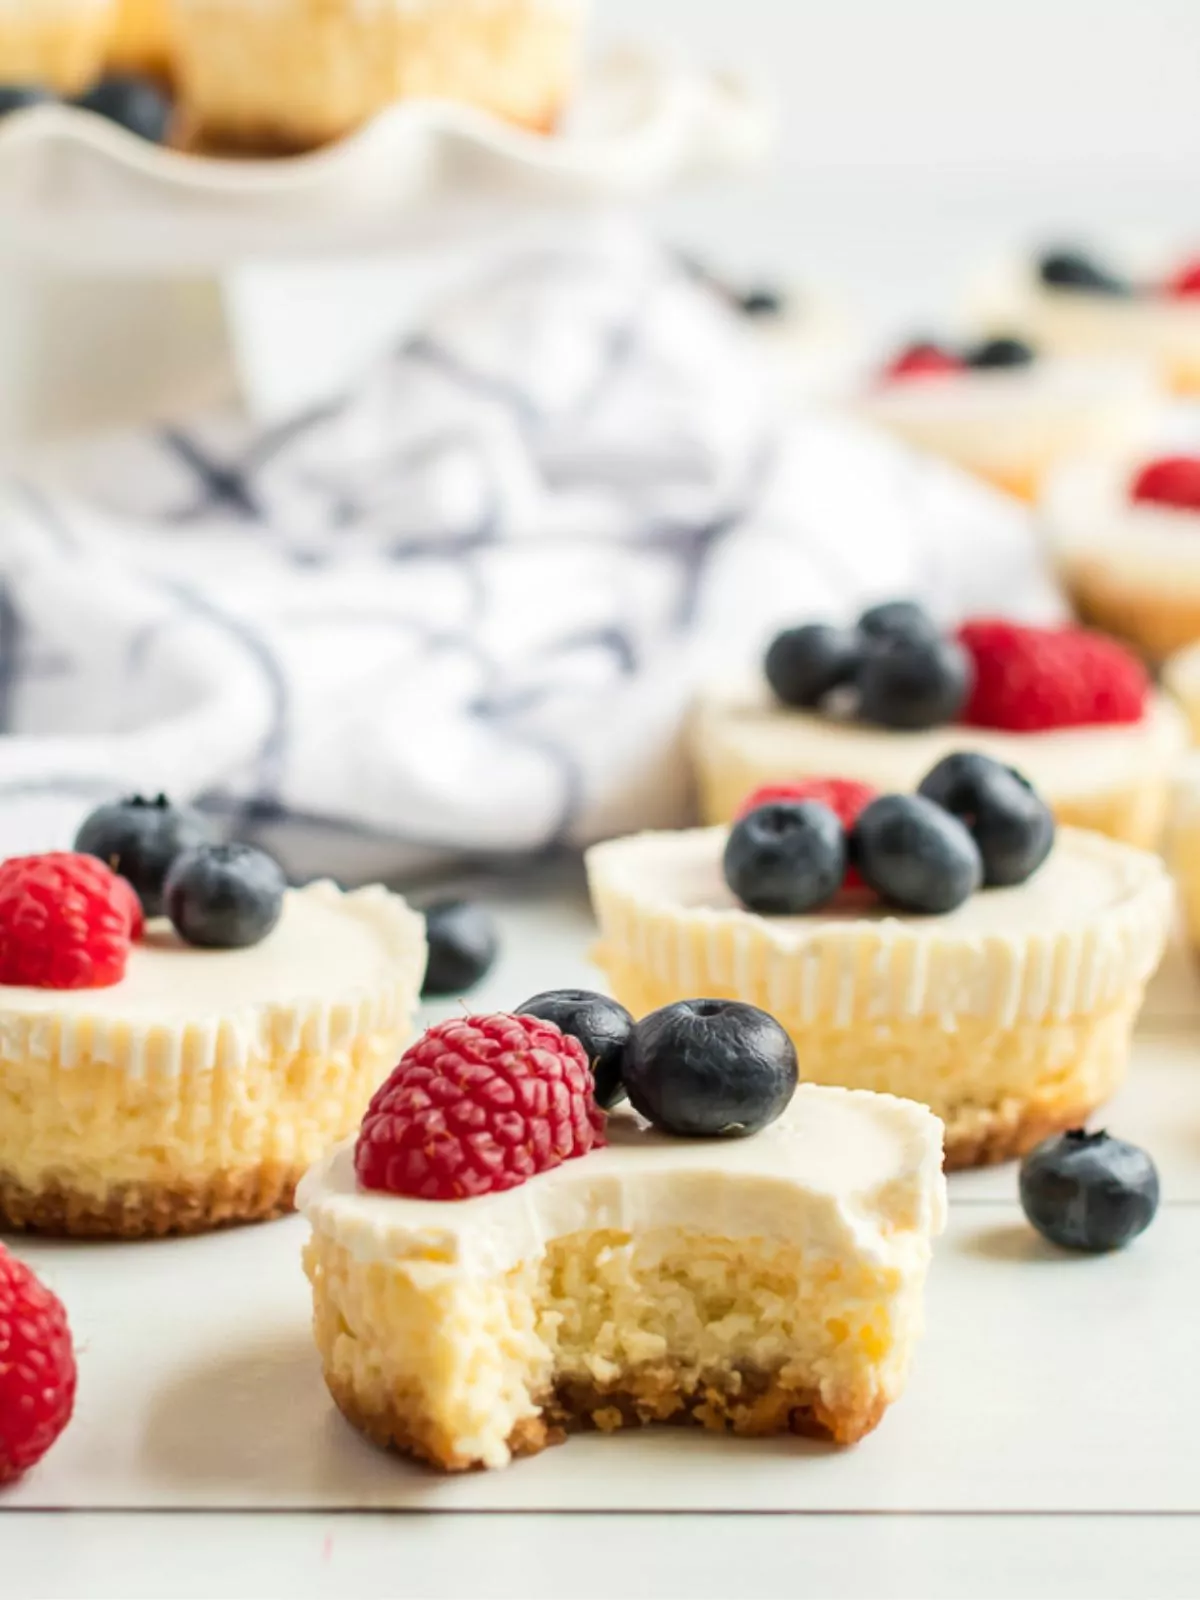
{"x": 141, "y": 38}
{"x": 294, "y": 74}
{"x": 56, "y": 44}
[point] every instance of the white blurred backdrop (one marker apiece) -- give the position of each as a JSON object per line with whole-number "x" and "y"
{"x": 919, "y": 134}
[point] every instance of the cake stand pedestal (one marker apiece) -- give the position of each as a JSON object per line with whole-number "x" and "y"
{"x": 137, "y": 282}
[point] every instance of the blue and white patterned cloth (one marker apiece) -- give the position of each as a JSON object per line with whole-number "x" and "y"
{"x": 460, "y": 610}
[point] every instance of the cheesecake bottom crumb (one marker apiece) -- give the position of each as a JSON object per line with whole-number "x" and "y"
{"x": 747, "y": 1404}
{"x": 146, "y": 1211}
{"x": 1156, "y": 621}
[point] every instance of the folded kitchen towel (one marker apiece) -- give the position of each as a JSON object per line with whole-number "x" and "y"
{"x": 462, "y": 608}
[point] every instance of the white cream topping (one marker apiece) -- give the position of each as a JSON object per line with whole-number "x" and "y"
{"x": 1090, "y": 516}
{"x": 1088, "y": 926}
{"x": 335, "y": 965}
{"x": 1062, "y": 762}
{"x": 1085, "y": 876}
{"x": 843, "y": 1174}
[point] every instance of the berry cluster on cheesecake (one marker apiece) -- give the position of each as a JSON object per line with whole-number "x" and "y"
{"x": 497, "y": 1259}
{"x": 1006, "y": 410}
{"x": 180, "y": 1034}
{"x": 1074, "y": 303}
{"x": 881, "y": 702}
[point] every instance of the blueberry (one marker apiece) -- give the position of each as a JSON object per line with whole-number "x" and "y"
{"x": 602, "y": 1026}
{"x": 708, "y": 1069}
{"x": 1087, "y": 1191}
{"x": 1072, "y": 269}
{"x": 762, "y": 301}
{"x": 20, "y": 96}
{"x": 786, "y": 858}
{"x": 141, "y": 839}
{"x": 1006, "y": 352}
{"x": 913, "y": 683}
{"x": 897, "y": 619}
{"x": 463, "y": 945}
{"x": 804, "y": 664}
{"x": 224, "y": 896}
{"x": 914, "y": 855}
{"x": 1006, "y": 817}
{"x": 136, "y": 104}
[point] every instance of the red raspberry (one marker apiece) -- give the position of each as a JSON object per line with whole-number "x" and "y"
{"x": 923, "y": 361}
{"x": 844, "y": 797}
{"x": 1031, "y": 679}
{"x": 65, "y": 922}
{"x": 1186, "y": 281}
{"x": 1169, "y": 481}
{"x": 477, "y": 1105}
{"x": 37, "y": 1368}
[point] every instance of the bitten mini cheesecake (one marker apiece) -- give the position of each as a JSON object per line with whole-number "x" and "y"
{"x": 1126, "y": 535}
{"x": 944, "y": 947}
{"x": 172, "y": 1076}
{"x": 1071, "y": 710}
{"x": 752, "y": 1261}
{"x": 284, "y": 75}
{"x": 1007, "y": 412}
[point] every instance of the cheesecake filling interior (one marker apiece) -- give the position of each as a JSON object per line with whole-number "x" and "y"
{"x": 759, "y": 1285}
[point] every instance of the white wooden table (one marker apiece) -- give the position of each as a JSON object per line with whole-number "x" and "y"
{"x": 1047, "y": 1444}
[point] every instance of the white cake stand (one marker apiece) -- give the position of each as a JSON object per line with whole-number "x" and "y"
{"x": 137, "y": 281}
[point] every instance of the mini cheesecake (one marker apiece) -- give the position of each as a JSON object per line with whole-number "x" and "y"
{"x": 1113, "y": 778}
{"x": 1183, "y": 846}
{"x": 1144, "y": 307}
{"x": 770, "y": 1284}
{"x": 882, "y": 701}
{"x": 290, "y": 75}
{"x": 1126, "y": 535}
{"x": 1011, "y": 419}
{"x": 196, "y": 1090}
{"x": 1010, "y": 1016}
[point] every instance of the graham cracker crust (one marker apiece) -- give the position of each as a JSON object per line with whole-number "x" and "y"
{"x": 1156, "y": 622}
{"x": 994, "y": 1138}
{"x": 144, "y": 1211}
{"x": 761, "y": 1407}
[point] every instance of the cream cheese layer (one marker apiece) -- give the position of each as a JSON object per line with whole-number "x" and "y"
{"x": 336, "y": 965}
{"x": 1089, "y": 925}
{"x": 843, "y": 1174}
